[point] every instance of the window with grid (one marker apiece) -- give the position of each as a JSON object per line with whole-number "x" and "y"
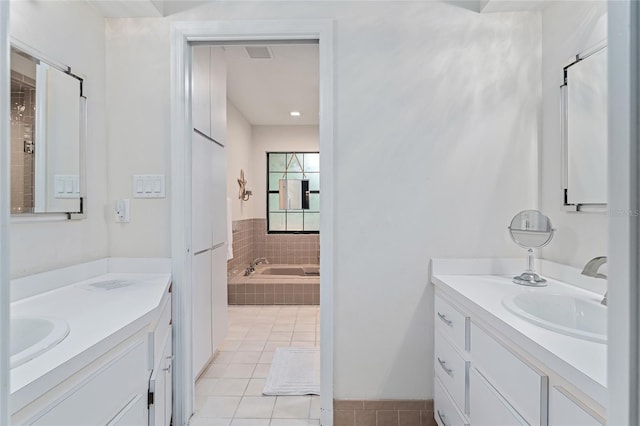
{"x": 293, "y": 166}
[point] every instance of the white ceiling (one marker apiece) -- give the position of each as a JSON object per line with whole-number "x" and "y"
{"x": 266, "y": 90}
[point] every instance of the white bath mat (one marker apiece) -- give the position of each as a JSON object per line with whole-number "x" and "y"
{"x": 294, "y": 371}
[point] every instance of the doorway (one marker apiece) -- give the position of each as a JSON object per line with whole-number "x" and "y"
{"x": 183, "y": 35}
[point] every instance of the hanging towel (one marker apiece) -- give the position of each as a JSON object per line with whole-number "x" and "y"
{"x": 229, "y": 231}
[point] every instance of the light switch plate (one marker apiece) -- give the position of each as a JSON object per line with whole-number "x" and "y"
{"x": 148, "y": 186}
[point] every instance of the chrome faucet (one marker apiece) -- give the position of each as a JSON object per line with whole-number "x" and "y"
{"x": 591, "y": 270}
{"x": 259, "y": 261}
{"x": 252, "y": 266}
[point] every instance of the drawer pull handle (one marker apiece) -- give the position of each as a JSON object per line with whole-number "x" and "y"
{"x": 442, "y": 417}
{"x": 444, "y": 319}
{"x": 443, "y": 364}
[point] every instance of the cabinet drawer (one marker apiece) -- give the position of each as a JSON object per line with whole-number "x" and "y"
{"x": 487, "y": 407}
{"x": 104, "y": 394}
{"x": 452, "y": 369}
{"x": 445, "y": 411}
{"x": 452, "y": 323}
{"x": 525, "y": 387}
{"x": 565, "y": 410}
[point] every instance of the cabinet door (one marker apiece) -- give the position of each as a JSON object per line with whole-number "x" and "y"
{"x": 160, "y": 385}
{"x": 218, "y": 193}
{"x": 134, "y": 414}
{"x": 488, "y": 407}
{"x": 202, "y": 192}
{"x": 218, "y": 95}
{"x": 202, "y": 349}
{"x": 201, "y": 89}
{"x": 565, "y": 410}
{"x": 168, "y": 382}
{"x": 219, "y": 296}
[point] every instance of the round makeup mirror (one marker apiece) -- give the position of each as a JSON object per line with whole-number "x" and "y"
{"x": 530, "y": 229}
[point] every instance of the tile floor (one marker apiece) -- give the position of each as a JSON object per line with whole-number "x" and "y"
{"x": 229, "y": 392}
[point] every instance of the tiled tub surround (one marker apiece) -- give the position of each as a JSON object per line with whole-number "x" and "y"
{"x": 257, "y": 289}
{"x": 383, "y": 413}
{"x": 251, "y": 241}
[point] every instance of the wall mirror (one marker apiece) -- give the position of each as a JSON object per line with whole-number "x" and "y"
{"x": 584, "y": 129}
{"x": 294, "y": 194}
{"x": 48, "y": 127}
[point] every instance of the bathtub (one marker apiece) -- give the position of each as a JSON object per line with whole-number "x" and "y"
{"x": 285, "y": 271}
{"x": 276, "y": 285}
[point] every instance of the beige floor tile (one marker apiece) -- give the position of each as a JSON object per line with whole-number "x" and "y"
{"x": 292, "y": 407}
{"x": 307, "y": 344}
{"x": 304, "y": 336}
{"x": 271, "y": 346}
{"x": 261, "y": 371}
{"x": 304, "y": 328}
{"x": 229, "y": 387}
{"x": 250, "y": 422}
{"x": 204, "y": 385}
{"x": 283, "y": 327}
{"x": 280, "y": 336}
{"x": 252, "y": 407}
{"x": 219, "y": 406}
{"x": 223, "y": 357}
{"x": 246, "y": 357}
{"x": 258, "y": 334}
{"x": 251, "y": 345}
{"x": 238, "y": 371}
{"x": 203, "y": 421}
{"x": 255, "y": 387}
{"x": 266, "y": 357}
{"x": 215, "y": 370}
{"x": 230, "y": 345}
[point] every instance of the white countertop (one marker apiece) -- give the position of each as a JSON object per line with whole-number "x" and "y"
{"x": 98, "y": 319}
{"x": 582, "y": 362}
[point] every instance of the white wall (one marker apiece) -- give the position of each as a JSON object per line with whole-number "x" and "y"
{"x": 138, "y": 133}
{"x": 73, "y": 34}
{"x": 568, "y": 28}
{"x": 238, "y": 157}
{"x": 271, "y": 139}
{"x": 435, "y": 140}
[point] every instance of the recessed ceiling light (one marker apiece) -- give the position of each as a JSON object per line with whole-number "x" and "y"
{"x": 295, "y": 113}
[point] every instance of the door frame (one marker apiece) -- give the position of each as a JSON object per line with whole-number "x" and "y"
{"x": 182, "y": 35}
{"x": 624, "y": 212}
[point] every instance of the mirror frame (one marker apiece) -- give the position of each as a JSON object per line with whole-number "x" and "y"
{"x": 83, "y": 138}
{"x": 564, "y": 119}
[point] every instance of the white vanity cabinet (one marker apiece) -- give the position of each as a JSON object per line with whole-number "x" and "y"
{"x": 482, "y": 379}
{"x": 114, "y": 387}
{"x": 482, "y": 382}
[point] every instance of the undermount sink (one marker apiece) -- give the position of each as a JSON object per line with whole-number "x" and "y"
{"x": 32, "y": 336}
{"x": 563, "y": 313}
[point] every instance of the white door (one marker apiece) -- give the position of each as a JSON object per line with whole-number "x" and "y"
{"x": 201, "y": 96}
{"x": 202, "y": 349}
{"x": 202, "y": 192}
{"x": 218, "y": 95}
{"x": 219, "y": 318}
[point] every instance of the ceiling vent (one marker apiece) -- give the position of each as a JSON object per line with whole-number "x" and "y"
{"x": 259, "y": 52}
